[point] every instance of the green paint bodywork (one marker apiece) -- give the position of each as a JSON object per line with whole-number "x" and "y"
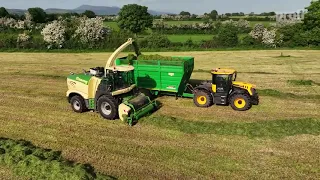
{"x": 140, "y": 109}
{"x": 91, "y": 104}
{"x": 170, "y": 76}
{"x": 83, "y": 78}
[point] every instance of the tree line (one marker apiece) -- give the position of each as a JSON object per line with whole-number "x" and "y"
{"x": 82, "y": 32}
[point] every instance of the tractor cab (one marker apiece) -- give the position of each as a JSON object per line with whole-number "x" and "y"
{"x": 222, "y": 80}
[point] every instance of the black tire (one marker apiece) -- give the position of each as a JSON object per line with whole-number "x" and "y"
{"x": 78, "y": 105}
{"x": 147, "y": 92}
{"x": 107, "y": 107}
{"x": 255, "y": 99}
{"x": 240, "y": 102}
{"x": 203, "y": 99}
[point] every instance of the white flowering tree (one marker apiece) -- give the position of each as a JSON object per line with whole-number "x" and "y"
{"x": 243, "y": 24}
{"x": 91, "y": 30}
{"x": 257, "y": 32}
{"x": 8, "y": 22}
{"x": 12, "y": 23}
{"x": 23, "y": 39}
{"x": 54, "y": 33}
{"x": 269, "y": 38}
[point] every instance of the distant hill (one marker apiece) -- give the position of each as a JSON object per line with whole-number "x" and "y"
{"x": 16, "y": 11}
{"x": 99, "y": 10}
{"x": 57, "y": 11}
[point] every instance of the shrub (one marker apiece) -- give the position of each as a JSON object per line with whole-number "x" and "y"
{"x": 312, "y": 37}
{"x": 155, "y": 41}
{"x": 90, "y": 31}
{"x": 292, "y": 35}
{"x": 8, "y": 22}
{"x": 227, "y": 37}
{"x": 53, "y": 34}
{"x": 195, "y": 28}
{"x": 249, "y": 41}
{"x": 271, "y": 39}
{"x": 8, "y": 41}
{"x": 209, "y": 44}
{"x": 257, "y": 32}
{"x": 23, "y": 40}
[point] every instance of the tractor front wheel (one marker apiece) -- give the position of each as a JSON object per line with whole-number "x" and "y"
{"x": 78, "y": 105}
{"x": 203, "y": 99}
{"x": 240, "y": 102}
{"x": 107, "y": 107}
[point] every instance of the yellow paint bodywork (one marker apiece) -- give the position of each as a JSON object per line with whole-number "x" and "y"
{"x": 223, "y": 71}
{"x": 243, "y": 85}
{"x": 123, "y": 91}
{"x": 123, "y": 111}
{"x": 77, "y": 87}
{"x": 214, "y": 88}
{"x": 93, "y": 86}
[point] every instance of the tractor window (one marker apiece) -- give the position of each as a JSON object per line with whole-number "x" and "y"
{"x": 222, "y": 79}
{"x": 234, "y": 76}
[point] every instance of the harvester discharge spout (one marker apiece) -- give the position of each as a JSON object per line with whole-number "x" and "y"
{"x": 138, "y": 105}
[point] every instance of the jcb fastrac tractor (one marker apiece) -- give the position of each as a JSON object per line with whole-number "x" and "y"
{"x": 225, "y": 90}
{"x": 109, "y": 90}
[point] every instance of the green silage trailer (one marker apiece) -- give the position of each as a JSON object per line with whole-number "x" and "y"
{"x": 170, "y": 77}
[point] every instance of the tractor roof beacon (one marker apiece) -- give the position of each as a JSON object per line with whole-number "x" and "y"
{"x": 109, "y": 90}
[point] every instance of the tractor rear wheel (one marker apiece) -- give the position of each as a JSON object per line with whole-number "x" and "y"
{"x": 77, "y": 103}
{"x": 240, "y": 102}
{"x": 108, "y": 107}
{"x": 203, "y": 99}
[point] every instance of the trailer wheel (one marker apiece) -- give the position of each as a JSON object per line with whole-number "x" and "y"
{"x": 147, "y": 92}
{"x": 108, "y": 107}
{"x": 203, "y": 99}
{"x": 77, "y": 103}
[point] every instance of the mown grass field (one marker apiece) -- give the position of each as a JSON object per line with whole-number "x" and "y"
{"x": 279, "y": 139}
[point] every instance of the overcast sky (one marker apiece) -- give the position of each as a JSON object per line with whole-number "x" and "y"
{"x": 174, "y": 6}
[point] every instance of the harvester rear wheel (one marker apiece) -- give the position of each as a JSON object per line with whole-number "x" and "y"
{"x": 203, "y": 99}
{"x": 240, "y": 102}
{"x": 78, "y": 105}
{"x": 108, "y": 107}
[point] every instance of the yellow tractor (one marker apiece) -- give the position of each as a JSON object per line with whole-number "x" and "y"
{"x": 225, "y": 90}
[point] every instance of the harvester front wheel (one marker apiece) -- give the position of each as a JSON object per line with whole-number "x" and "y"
{"x": 203, "y": 99}
{"x": 240, "y": 102}
{"x": 108, "y": 107}
{"x": 78, "y": 105}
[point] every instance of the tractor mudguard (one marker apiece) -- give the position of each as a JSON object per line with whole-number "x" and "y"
{"x": 205, "y": 86}
{"x": 102, "y": 90}
{"x": 236, "y": 90}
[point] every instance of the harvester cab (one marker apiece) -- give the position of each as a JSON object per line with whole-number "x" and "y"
{"x": 225, "y": 90}
{"x": 109, "y": 90}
